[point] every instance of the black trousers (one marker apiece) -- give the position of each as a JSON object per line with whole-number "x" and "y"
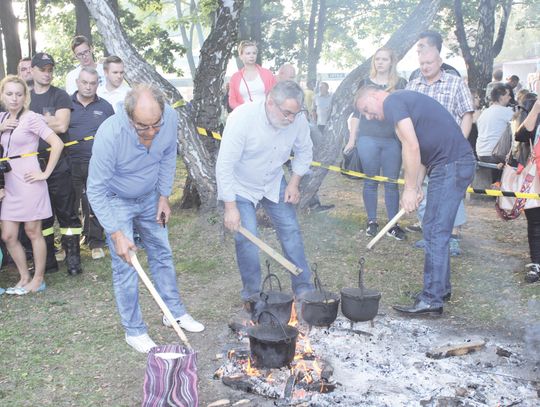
{"x": 91, "y": 227}
{"x": 533, "y": 233}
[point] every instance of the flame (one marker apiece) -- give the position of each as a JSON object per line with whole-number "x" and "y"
{"x": 293, "y": 321}
{"x": 317, "y": 368}
{"x": 251, "y": 371}
{"x": 269, "y": 378}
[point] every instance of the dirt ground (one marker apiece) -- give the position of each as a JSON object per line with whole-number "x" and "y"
{"x": 65, "y": 347}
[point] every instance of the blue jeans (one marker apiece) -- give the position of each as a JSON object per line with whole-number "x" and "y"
{"x": 461, "y": 216}
{"x": 283, "y": 216}
{"x": 141, "y": 212}
{"x": 447, "y": 186}
{"x": 378, "y": 153}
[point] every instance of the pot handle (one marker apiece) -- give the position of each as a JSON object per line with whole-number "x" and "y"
{"x": 361, "y": 275}
{"x": 287, "y": 338}
{"x": 268, "y": 278}
{"x": 317, "y": 281}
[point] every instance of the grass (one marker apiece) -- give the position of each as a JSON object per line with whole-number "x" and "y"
{"x": 65, "y": 347}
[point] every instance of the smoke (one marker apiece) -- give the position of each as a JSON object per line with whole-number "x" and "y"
{"x": 532, "y": 333}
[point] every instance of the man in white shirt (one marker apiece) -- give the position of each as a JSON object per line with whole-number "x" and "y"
{"x": 82, "y": 49}
{"x": 115, "y": 89}
{"x": 322, "y": 105}
{"x": 257, "y": 141}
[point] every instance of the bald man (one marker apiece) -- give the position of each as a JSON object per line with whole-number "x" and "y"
{"x": 130, "y": 180}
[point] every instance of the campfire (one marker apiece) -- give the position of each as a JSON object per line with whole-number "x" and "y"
{"x": 307, "y": 374}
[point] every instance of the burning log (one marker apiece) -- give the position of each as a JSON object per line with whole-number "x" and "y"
{"x": 456, "y": 350}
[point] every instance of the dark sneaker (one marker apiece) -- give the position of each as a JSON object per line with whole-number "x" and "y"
{"x": 397, "y": 233}
{"x": 455, "y": 250}
{"x": 416, "y": 227}
{"x": 372, "y": 228}
{"x": 533, "y": 273}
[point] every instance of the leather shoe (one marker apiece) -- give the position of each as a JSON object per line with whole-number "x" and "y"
{"x": 419, "y": 308}
{"x": 446, "y": 297}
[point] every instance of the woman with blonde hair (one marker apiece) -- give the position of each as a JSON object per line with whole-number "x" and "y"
{"x": 377, "y": 144}
{"x": 252, "y": 82}
{"x": 26, "y": 197}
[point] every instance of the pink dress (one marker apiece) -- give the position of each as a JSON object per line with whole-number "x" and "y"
{"x": 25, "y": 201}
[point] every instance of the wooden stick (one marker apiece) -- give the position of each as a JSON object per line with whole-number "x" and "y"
{"x": 386, "y": 228}
{"x": 271, "y": 252}
{"x": 159, "y": 300}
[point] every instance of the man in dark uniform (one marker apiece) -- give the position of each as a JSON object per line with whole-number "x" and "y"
{"x": 432, "y": 144}
{"x": 55, "y": 105}
{"x": 89, "y": 111}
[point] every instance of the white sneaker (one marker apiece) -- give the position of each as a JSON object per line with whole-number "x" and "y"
{"x": 98, "y": 253}
{"x": 142, "y": 343}
{"x": 186, "y": 322}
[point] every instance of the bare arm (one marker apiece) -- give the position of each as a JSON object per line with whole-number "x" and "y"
{"x": 353, "y": 131}
{"x": 59, "y": 122}
{"x": 414, "y": 170}
{"x": 466, "y": 124}
{"x": 56, "y": 149}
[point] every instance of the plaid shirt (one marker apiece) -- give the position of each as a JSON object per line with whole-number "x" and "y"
{"x": 449, "y": 90}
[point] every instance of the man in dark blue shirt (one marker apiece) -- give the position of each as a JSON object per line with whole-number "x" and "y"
{"x": 433, "y": 144}
{"x": 89, "y": 111}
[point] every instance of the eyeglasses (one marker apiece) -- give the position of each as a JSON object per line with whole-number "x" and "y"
{"x": 83, "y": 54}
{"x": 290, "y": 116}
{"x": 140, "y": 129}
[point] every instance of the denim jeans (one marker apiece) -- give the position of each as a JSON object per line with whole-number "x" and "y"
{"x": 446, "y": 189}
{"x": 141, "y": 212}
{"x": 283, "y": 216}
{"x": 378, "y": 153}
{"x": 461, "y": 215}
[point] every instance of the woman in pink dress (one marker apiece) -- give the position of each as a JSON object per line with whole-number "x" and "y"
{"x": 252, "y": 82}
{"x": 26, "y": 197}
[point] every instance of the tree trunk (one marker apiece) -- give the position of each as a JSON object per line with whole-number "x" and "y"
{"x": 8, "y": 22}
{"x": 200, "y": 163}
{"x": 317, "y": 26}
{"x": 31, "y": 15}
{"x": 255, "y": 20}
{"x": 479, "y": 60}
{"x": 188, "y": 43}
{"x": 82, "y": 17}
{"x": 328, "y": 146}
{"x": 2, "y": 65}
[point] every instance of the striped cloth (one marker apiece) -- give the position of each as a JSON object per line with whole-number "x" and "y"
{"x": 170, "y": 381}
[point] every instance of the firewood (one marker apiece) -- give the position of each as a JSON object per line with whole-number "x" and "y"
{"x": 456, "y": 350}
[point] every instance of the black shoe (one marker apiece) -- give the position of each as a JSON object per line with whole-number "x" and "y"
{"x": 321, "y": 208}
{"x": 73, "y": 254}
{"x": 372, "y": 228}
{"x": 446, "y": 297}
{"x": 397, "y": 233}
{"x": 419, "y": 308}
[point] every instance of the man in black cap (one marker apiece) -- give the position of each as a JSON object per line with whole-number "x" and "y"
{"x": 55, "y": 105}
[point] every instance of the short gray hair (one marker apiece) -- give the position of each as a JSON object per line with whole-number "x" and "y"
{"x": 133, "y": 95}
{"x": 287, "y": 90}
{"x": 90, "y": 70}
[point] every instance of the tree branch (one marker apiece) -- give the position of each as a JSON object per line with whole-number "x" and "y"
{"x": 498, "y": 44}
{"x": 460, "y": 33}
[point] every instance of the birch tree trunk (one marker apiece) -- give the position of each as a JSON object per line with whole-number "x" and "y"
{"x": 327, "y": 147}
{"x": 12, "y": 45}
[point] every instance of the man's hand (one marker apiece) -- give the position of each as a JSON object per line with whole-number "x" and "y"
{"x": 163, "y": 207}
{"x": 123, "y": 246}
{"x": 231, "y": 217}
{"x": 292, "y": 192}
{"x": 411, "y": 198}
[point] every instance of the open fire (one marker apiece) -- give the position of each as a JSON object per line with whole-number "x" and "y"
{"x": 307, "y": 373}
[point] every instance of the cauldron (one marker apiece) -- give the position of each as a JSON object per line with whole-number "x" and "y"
{"x": 277, "y": 302}
{"x": 271, "y": 345}
{"x": 360, "y": 304}
{"x": 319, "y": 307}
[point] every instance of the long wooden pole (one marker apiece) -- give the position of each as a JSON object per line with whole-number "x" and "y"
{"x": 386, "y": 228}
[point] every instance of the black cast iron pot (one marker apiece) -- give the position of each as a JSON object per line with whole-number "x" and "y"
{"x": 277, "y": 302}
{"x": 360, "y": 304}
{"x": 272, "y": 345}
{"x": 319, "y": 307}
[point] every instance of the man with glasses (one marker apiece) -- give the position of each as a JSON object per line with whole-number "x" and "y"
{"x": 82, "y": 49}
{"x": 130, "y": 179}
{"x": 89, "y": 111}
{"x": 257, "y": 141}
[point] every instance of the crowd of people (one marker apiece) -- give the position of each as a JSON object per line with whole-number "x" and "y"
{"x": 114, "y": 180}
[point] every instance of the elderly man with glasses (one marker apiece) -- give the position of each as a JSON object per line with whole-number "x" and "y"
{"x": 82, "y": 50}
{"x": 130, "y": 180}
{"x": 257, "y": 141}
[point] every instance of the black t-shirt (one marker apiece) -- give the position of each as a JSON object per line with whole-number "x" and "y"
{"x": 48, "y": 103}
{"x": 375, "y": 128}
{"x": 440, "y": 138}
{"x": 85, "y": 122}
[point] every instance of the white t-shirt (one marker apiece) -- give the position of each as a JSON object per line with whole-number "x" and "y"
{"x": 116, "y": 96}
{"x": 323, "y": 104}
{"x": 491, "y": 124}
{"x": 254, "y": 90}
{"x": 71, "y": 77}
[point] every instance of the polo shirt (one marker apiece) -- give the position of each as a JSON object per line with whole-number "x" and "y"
{"x": 85, "y": 121}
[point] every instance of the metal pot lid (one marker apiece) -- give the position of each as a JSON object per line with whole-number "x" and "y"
{"x": 269, "y": 333}
{"x": 359, "y": 293}
{"x": 317, "y": 296}
{"x": 273, "y": 297}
